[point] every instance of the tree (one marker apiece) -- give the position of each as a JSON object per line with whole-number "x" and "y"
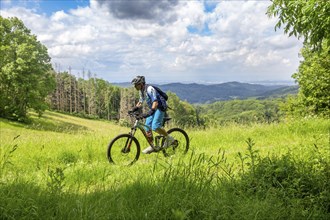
{"x": 182, "y": 113}
{"x": 63, "y": 97}
{"x": 310, "y": 20}
{"x": 26, "y": 76}
{"x": 128, "y": 99}
{"x": 301, "y": 18}
{"x": 314, "y": 80}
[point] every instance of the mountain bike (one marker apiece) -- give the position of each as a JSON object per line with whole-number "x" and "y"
{"x": 125, "y": 148}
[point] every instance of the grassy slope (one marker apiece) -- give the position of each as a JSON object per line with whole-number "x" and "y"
{"x": 60, "y": 170}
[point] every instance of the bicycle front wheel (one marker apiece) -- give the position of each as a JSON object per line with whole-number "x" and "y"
{"x": 123, "y": 150}
{"x": 180, "y": 145}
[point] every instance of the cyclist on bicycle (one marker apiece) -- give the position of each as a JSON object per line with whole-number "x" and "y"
{"x": 155, "y": 116}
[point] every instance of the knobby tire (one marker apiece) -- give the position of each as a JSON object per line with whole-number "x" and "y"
{"x": 183, "y": 142}
{"x": 115, "y": 152}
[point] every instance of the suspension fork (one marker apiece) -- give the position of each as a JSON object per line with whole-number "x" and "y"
{"x": 128, "y": 143}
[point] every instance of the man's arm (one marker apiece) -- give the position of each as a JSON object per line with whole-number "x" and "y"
{"x": 152, "y": 110}
{"x": 139, "y": 104}
{"x": 154, "y": 105}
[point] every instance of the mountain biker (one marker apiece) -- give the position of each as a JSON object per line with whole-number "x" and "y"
{"x": 154, "y": 118}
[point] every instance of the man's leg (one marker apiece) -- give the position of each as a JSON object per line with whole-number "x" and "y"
{"x": 148, "y": 127}
{"x": 157, "y": 126}
{"x": 157, "y": 122}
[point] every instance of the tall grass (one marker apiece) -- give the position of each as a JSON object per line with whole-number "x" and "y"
{"x": 56, "y": 168}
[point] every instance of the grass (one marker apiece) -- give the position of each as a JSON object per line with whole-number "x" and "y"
{"x": 56, "y": 168}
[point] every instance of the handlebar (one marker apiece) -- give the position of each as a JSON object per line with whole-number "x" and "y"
{"x": 134, "y": 114}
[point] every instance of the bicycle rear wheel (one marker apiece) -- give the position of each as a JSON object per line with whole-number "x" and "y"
{"x": 181, "y": 142}
{"x": 123, "y": 150}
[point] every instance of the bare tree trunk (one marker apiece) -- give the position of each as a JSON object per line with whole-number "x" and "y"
{"x": 70, "y": 92}
{"x": 127, "y": 102}
{"x": 58, "y": 97}
{"x": 84, "y": 91}
{"x": 77, "y": 95}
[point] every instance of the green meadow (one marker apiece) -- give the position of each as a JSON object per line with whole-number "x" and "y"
{"x": 56, "y": 167}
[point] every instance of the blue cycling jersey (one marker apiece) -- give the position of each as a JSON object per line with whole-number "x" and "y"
{"x": 151, "y": 95}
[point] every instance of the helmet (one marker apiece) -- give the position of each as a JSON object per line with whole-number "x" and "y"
{"x": 138, "y": 80}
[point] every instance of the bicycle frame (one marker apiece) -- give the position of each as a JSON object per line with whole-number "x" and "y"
{"x": 128, "y": 141}
{"x": 141, "y": 127}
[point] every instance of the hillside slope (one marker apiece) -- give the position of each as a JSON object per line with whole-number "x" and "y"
{"x": 57, "y": 166}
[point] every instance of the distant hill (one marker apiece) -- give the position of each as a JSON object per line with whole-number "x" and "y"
{"x": 123, "y": 84}
{"x": 280, "y": 92}
{"x": 200, "y": 93}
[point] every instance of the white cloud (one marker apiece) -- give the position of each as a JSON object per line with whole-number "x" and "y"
{"x": 58, "y": 16}
{"x": 240, "y": 43}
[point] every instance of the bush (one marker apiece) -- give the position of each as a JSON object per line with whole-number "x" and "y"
{"x": 307, "y": 182}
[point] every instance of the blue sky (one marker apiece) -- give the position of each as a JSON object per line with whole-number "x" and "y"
{"x": 48, "y": 7}
{"x": 167, "y": 40}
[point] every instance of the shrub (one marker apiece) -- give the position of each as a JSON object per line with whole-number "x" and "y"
{"x": 307, "y": 181}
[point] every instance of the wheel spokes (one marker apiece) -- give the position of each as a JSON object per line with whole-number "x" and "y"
{"x": 123, "y": 151}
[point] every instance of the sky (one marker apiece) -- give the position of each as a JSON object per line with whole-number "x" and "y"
{"x": 200, "y": 41}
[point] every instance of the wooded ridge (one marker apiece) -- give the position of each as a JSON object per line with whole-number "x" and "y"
{"x": 199, "y": 93}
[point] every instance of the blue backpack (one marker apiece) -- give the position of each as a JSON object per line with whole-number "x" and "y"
{"x": 163, "y": 94}
{"x": 162, "y": 105}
